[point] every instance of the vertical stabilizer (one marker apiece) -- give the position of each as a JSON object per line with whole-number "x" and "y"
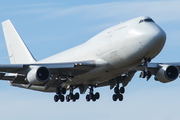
{"x": 17, "y": 50}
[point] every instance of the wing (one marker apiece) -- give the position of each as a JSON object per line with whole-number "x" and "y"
{"x": 19, "y": 73}
{"x": 25, "y": 72}
{"x": 163, "y": 72}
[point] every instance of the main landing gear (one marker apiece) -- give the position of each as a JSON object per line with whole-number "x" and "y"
{"x": 118, "y": 91}
{"x": 92, "y": 96}
{"x": 72, "y": 96}
{"x": 60, "y": 94}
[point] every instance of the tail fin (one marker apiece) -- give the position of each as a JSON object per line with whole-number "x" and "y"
{"x": 17, "y": 50}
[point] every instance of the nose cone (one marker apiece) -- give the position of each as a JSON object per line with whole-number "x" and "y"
{"x": 153, "y": 39}
{"x": 153, "y": 34}
{"x": 157, "y": 35}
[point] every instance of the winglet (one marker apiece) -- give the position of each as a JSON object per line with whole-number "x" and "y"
{"x": 17, "y": 50}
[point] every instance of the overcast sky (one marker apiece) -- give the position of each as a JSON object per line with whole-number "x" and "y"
{"x": 48, "y": 27}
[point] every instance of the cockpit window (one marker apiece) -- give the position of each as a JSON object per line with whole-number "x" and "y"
{"x": 146, "y": 20}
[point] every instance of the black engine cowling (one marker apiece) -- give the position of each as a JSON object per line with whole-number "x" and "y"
{"x": 38, "y": 75}
{"x": 167, "y": 74}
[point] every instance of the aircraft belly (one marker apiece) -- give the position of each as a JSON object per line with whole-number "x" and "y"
{"x": 93, "y": 80}
{"x": 95, "y": 76}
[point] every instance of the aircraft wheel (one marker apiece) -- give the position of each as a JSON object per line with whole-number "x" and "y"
{"x": 122, "y": 90}
{"x": 143, "y": 74}
{"x": 67, "y": 98}
{"x": 148, "y": 74}
{"x": 97, "y": 95}
{"x": 63, "y": 90}
{"x": 87, "y": 98}
{"x": 56, "y": 98}
{"x": 120, "y": 97}
{"x": 77, "y": 96}
{"x": 57, "y": 91}
{"x": 93, "y": 98}
{"x": 71, "y": 96}
{"x": 116, "y": 90}
{"x": 114, "y": 97}
{"x": 61, "y": 98}
{"x": 74, "y": 99}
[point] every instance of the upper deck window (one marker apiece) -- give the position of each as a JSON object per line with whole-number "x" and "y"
{"x": 146, "y": 20}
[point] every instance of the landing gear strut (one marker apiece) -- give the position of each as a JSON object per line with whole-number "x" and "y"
{"x": 60, "y": 94}
{"x": 92, "y": 96}
{"x": 72, "y": 96}
{"x": 118, "y": 92}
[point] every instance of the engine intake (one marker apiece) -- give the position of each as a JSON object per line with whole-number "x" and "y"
{"x": 167, "y": 74}
{"x": 38, "y": 75}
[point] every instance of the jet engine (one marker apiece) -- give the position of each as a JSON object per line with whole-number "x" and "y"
{"x": 167, "y": 74}
{"x": 38, "y": 75}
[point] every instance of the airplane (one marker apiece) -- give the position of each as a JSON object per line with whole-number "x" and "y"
{"x": 110, "y": 58}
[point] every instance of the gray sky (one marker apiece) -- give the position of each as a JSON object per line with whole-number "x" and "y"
{"x": 49, "y": 27}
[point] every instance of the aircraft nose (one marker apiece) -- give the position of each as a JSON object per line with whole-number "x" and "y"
{"x": 154, "y": 36}
{"x": 159, "y": 35}
{"x": 153, "y": 40}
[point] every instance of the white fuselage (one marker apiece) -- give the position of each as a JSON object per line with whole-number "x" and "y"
{"x": 115, "y": 50}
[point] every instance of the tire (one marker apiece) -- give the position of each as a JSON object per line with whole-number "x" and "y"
{"x": 143, "y": 74}
{"x": 122, "y": 90}
{"x": 87, "y": 98}
{"x": 62, "y": 98}
{"x": 120, "y": 97}
{"x": 63, "y": 90}
{"x": 67, "y": 98}
{"x": 56, "y": 98}
{"x": 116, "y": 90}
{"x": 77, "y": 96}
{"x": 71, "y": 96}
{"x": 74, "y": 99}
{"x": 57, "y": 91}
{"x": 148, "y": 74}
{"x": 94, "y": 98}
{"x": 97, "y": 95}
{"x": 114, "y": 97}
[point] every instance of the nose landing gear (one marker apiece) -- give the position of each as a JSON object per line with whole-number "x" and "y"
{"x": 145, "y": 73}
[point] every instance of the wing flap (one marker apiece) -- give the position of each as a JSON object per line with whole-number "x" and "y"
{"x": 8, "y": 78}
{"x": 11, "y": 68}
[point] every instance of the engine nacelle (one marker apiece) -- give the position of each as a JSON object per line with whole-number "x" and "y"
{"x": 38, "y": 75}
{"x": 167, "y": 74}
